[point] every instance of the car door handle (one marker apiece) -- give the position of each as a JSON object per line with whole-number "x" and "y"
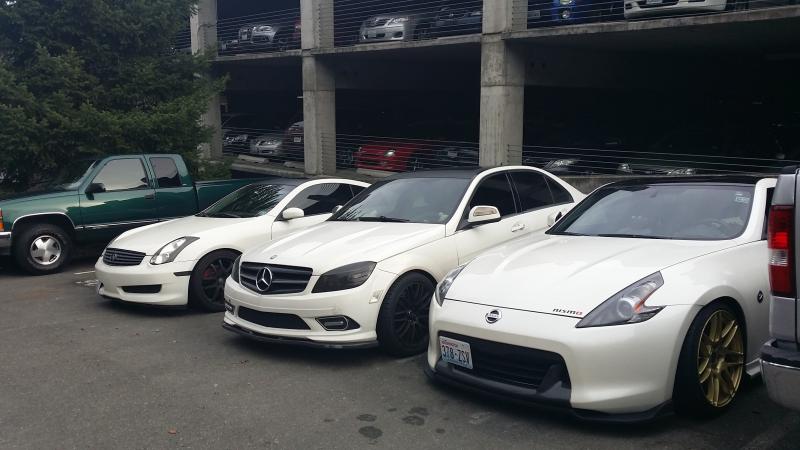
{"x": 517, "y": 227}
{"x": 150, "y": 197}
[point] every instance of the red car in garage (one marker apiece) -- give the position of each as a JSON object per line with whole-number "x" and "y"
{"x": 391, "y": 156}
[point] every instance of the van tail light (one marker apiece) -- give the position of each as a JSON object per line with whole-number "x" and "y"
{"x": 780, "y": 234}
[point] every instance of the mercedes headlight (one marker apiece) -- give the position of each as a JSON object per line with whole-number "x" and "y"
{"x": 345, "y": 277}
{"x": 169, "y": 252}
{"x": 626, "y": 306}
{"x": 441, "y": 289}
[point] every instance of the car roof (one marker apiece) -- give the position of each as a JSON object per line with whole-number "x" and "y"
{"x": 460, "y": 172}
{"x": 720, "y": 179}
{"x": 283, "y": 181}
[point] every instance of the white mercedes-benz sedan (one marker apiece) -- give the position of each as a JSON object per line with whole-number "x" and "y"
{"x": 648, "y": 295}
{"x": 366, "y": 276}
{"x": 186, "y": 261}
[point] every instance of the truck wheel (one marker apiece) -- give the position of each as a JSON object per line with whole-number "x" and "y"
{"x": 42, "y": 249}
{"x": 207, "y": 283}
{"x": 711, "y": 365}
{"x": 403, "y": 318}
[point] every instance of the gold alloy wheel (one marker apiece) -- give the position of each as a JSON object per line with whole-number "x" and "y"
{"x": 720, "y": 358}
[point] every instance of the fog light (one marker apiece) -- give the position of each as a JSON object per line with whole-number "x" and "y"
{"x": 566, "y": 14}
{"x": 337, "y": 323}
{"x": 229, "y": 306}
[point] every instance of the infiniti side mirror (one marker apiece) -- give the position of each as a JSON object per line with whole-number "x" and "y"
{"x": 483, "y": 214}
{"x": 293, "y": 213}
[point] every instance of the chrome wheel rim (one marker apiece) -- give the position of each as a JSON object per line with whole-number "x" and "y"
{"x": 411, "y": 314}
{"x": 720, "y": 358}
{"x": 46, "y": 250}
{"x": 214, "y": 277}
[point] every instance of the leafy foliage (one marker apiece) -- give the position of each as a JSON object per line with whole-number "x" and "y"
{"x": 97, "y": 77}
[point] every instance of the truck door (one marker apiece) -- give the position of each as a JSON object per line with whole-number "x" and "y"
{"x": 120, "y": 197}
{"x": 175, "y": 194}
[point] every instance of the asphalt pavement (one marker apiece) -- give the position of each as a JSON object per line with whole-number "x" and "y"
{"x": 79, "y": 371}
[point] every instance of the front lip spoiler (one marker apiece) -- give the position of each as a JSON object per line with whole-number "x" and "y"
{"x": 301, "y": 342}
{"x": 559, "y": 404}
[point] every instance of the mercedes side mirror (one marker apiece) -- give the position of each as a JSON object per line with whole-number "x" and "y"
{"x": 293, "y": 213}
{"x": 483, "y": 214}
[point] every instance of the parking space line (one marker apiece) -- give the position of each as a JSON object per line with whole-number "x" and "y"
{"x": 84, "y": 273}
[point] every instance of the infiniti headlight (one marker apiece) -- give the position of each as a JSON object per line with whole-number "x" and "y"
{"x": 169, "y": 252}
{"x": 345, "y": 277}
{"x": 444, "y": 285}
{"x": 626, "y": 306}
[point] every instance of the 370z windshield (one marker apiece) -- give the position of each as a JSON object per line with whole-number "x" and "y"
{"x": 662, "y": 211}
{"x": 417, "y": 200}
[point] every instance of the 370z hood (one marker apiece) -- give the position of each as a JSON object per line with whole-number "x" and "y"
{"x": 334, "y": 244}
{"x": 568, "y": 275}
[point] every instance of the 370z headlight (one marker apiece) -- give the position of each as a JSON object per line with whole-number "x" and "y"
{"x": 444, "y": 285}
{"x": 169, "y": 252}
{"x": 235, "y": 269}
{"x": 345, "y": 277}
{"x": 626, "y": 306}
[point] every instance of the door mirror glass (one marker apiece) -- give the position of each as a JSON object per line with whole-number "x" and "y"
{"x": 293, "y": 213}
{"x": 483, "y": 214}
{"x": 336, "y": 209}
{"x": 95, "y": 188}
{"x": 553, "y": 218}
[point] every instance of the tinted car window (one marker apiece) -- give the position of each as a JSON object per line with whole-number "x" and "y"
{"x": 250, "y": 201}
{"x": 532, "y": 190}
{"x": 560, "y": 195}
{"x": 662, "y": 211}
{"x": 356, "y": 189}
{"x": 322, "y": 198}
{"x": 495, "y": 191}
{"x": 122, "y": 174}
{"x": 166, "y": 172}
{"x": 417, "y": 200}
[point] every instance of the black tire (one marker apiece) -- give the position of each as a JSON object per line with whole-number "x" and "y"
{"x": 207, "y": 282}
{"x": 34, "y": 235}
{"x": 690, "y": 394}
{"x": 403, "y": 318}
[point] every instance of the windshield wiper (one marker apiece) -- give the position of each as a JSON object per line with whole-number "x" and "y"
{"x": 381, "y": 219}
{"x": 635, "y": 236}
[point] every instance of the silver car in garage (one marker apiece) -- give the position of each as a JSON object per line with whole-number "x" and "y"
{"x": 404, "y": 26}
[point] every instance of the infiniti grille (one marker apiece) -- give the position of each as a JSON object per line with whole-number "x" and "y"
{"x": 119, "y": 257}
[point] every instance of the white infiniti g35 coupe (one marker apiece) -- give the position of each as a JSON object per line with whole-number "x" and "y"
{"x": 367, "y": 275}
{"x": 187, "y": 260}
{"x": 648, "y": 295}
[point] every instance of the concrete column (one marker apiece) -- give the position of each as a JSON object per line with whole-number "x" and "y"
{"x": 203, "y": 27}
{"x": 502, "y": 84}
{"x": 502, "y": 104}
{"x": 316, "y": 21}
{"x": 319, "y": 114}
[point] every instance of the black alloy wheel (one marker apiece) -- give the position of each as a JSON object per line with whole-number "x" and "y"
{"x": 207, "y": 285}
{"x": 403, "y": 319}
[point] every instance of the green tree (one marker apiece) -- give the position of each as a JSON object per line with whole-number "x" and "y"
{"x": 94, "y": 77}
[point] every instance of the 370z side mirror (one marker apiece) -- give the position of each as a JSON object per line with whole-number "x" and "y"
{"x": 483, "y": 214}
{"x": 293, "y": 213}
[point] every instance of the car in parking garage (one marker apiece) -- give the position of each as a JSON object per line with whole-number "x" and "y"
{"x": 648, "y": 295}
{"x": 457, "y": 17}
{"x": 636, "y": 9}
{"x": 366, "y": 276}
{"x": 269, "y": 145}
{"x": 565, "y": 12}
{"x": 399, "y": 26}
{"x": 186, "y": 261}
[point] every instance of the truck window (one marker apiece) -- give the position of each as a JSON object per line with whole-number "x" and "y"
{"x": 166, "y": 172}
{"x": 122, "y": 174}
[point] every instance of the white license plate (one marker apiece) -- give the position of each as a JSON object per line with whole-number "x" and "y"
{"x": 297, "y": 140}
{"x": 455, "y": 352}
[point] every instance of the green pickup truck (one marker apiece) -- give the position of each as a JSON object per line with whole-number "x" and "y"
{"x": 93, "y": 201}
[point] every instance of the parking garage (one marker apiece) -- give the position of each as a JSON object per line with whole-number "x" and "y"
{"x": 374, "y": 88}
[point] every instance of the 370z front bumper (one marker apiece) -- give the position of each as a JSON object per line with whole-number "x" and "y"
{"x": 611, "y": 374}
{"x": 298, "y": 318}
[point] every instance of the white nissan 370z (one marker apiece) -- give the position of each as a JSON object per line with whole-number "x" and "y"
{"x": 647, "y": 295}
{"x": 187, "y": 260}
{"x": 366, "y": 276}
